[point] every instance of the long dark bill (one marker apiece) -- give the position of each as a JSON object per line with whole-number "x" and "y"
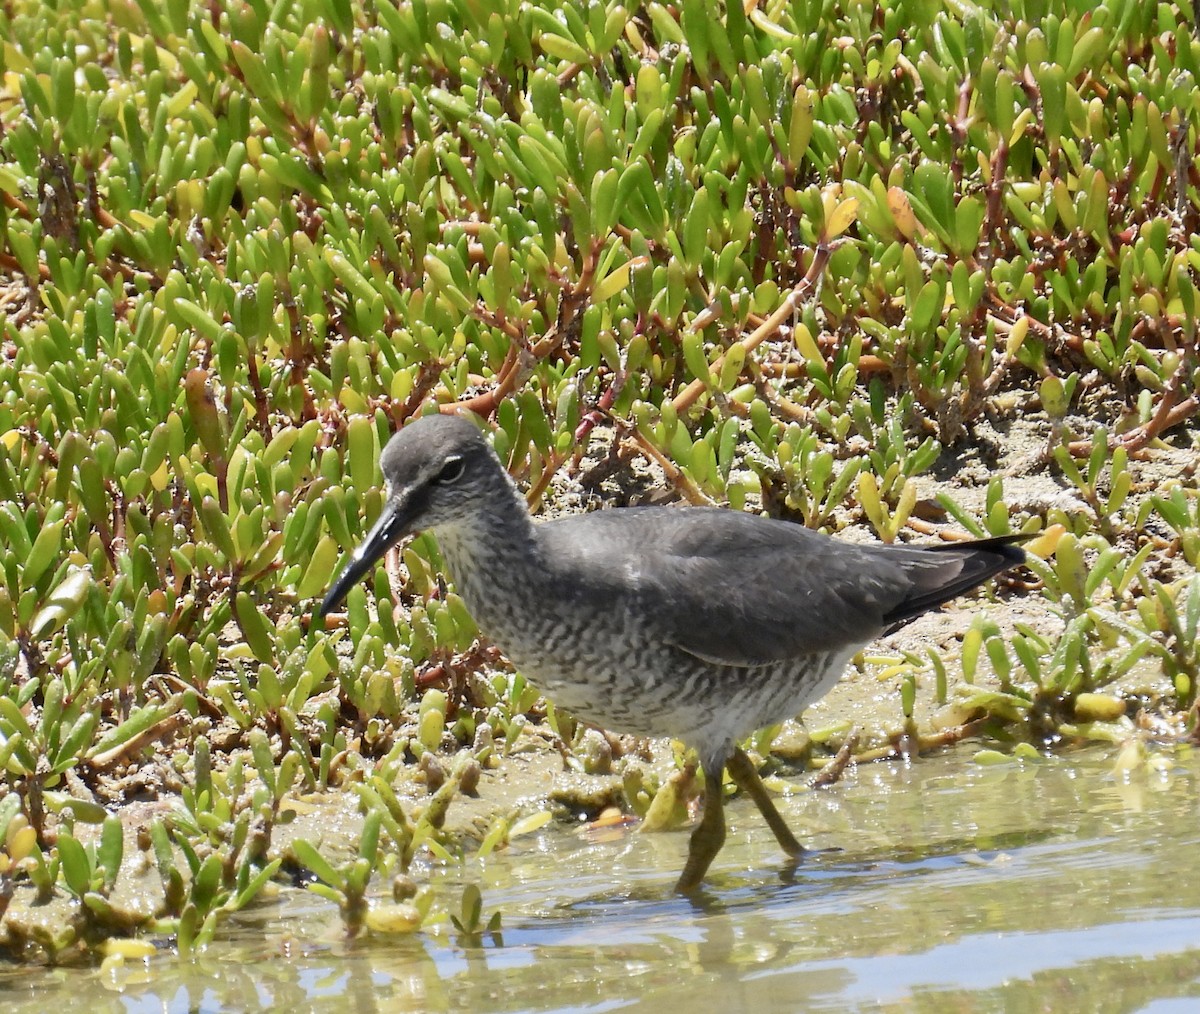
{"x": 391, "y": 527}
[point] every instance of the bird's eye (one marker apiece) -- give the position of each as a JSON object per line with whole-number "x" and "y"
{"x": 451, "y": 471}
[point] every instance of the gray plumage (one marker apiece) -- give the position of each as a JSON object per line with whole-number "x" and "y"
{"x": 698, "y": 623}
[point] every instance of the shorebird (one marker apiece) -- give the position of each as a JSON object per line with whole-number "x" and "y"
{"x": 699, "y": 623}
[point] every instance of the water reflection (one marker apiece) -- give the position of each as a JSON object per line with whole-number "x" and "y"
{"x": 1051, "y": 885}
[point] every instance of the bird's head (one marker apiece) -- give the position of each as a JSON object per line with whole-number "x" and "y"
{"x": 438, "y": 471}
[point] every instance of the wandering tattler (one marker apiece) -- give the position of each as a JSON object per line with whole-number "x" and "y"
{"x": 699, "y": 623}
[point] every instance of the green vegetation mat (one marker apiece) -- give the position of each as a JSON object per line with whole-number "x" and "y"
{"x": 892, "y": 265}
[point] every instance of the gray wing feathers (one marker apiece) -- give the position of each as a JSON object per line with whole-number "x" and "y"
{"x": 739, "y": 590}
{"x": 765, "y": 603}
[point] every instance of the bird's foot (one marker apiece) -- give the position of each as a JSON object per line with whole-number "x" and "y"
{"x": 707, "y": 838}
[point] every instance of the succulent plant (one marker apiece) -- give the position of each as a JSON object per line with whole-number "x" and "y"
{"x": 792, "y": 256}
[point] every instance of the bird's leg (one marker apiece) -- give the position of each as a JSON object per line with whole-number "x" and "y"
{"x": 745, "y": 776}
{"x": 709, "y": 835}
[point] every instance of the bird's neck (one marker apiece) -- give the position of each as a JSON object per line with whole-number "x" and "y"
{"x": 481, "y": 549}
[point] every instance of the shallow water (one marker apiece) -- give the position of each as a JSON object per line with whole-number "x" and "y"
{"x": 1052, "y": 885}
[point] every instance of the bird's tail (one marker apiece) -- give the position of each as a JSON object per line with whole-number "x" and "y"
{"x": 944, "y": 571}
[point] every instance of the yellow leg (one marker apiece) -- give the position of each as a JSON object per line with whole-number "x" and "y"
{"x": 743, "y": 772}
{"x": 709, "y": 835}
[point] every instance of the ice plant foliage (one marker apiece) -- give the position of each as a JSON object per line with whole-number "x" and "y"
{"x": 792, "y": 254}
